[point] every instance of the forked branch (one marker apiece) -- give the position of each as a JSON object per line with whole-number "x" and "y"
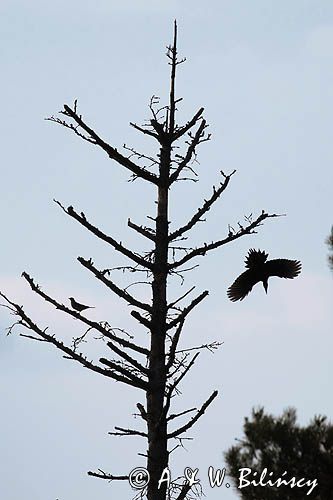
{"x": 88, "y": 264}
{"x": 204, "y": 209}
{"x": 182, "y": 130}
{"x": 187, "y": 310}
{"x": 194, "y": 141}
{"x": 94, "y": 138}
{"x": 138, "y": 382}
{"x": 81, "y": 218}
{"x": 194, "y": 419}
{"x": 27, "y": 322}
{"x": 92, "y": 324}
{"x": 121, "y": 353}
{"x": 127, "y": 432}
{"x": 176, "y": 382}
{"x": 176, "y": 415}
{"x": 249, "y": 229}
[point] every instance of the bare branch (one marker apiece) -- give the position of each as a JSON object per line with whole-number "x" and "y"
{"x": 190, "y": 151}
{"x": 131, "y": 269}
{"x": 110, "y": 151}
{"x": 127, "y": 432}
{"x": 176, "y": 415}
{"x": 142, "y": 411}
{"x": 150, "y": 234}
{"x": 182, "y": 375}
{"x": 187, "y": 310}
{"x": 144, "y": 130}
{"x": 175, "y": 340}
{"x": 88, "y": 264}
{"x": 128, "y": 358}
{"x": 210, "y": 347}
{"x": 136, "y": 381}
{"x": 141, "y": 319}
{"x": 83, "y": 319}
{"x": 108, "y": 239}
{"x": 249, "y": 229}
{"x": 181, "y": 131}
{"x": 173, "y": 386}
{"x": 30, "y": 325}
{"x": 194, "y": 419}
{"x": 202, "y": 210}
{"x": 141, "y": 156}
{"x": 172, "y": 304}
{"x": 31, "y": 336}
{"x": 108, "y": 477}
{"x": 137, "y": 283}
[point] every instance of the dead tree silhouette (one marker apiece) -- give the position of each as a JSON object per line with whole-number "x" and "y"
{"x": 157, "y": 369}
{"x": 260, "y": 269}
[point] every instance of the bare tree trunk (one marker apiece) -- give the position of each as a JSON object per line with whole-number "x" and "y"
{"x": 156, "y": 423}
{"x": 157, "y": 417}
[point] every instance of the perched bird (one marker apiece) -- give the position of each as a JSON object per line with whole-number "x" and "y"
{"x": 260, "y": 269}
{"x": 79, "y": 307}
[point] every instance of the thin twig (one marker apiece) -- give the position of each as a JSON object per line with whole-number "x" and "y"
{"x": 189, "y": 424}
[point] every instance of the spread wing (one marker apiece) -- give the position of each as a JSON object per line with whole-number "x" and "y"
{"x": 283, "y": 268}
{"x": 242, "y": 285}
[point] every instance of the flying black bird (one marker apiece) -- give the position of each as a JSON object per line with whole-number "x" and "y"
{"x": 79, "y": 307}
{"x": 260, "y": 269}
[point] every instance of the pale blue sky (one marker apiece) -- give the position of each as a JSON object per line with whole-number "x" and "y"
{"x": 263, "y": 71}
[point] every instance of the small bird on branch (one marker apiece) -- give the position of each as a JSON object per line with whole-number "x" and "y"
{"x": 260, "y": 269}
{"x": 79, "y": 307}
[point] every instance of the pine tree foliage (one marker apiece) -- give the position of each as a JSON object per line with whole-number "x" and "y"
{"x": 280, "y": 444}
{"x": 329, "y": 242}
